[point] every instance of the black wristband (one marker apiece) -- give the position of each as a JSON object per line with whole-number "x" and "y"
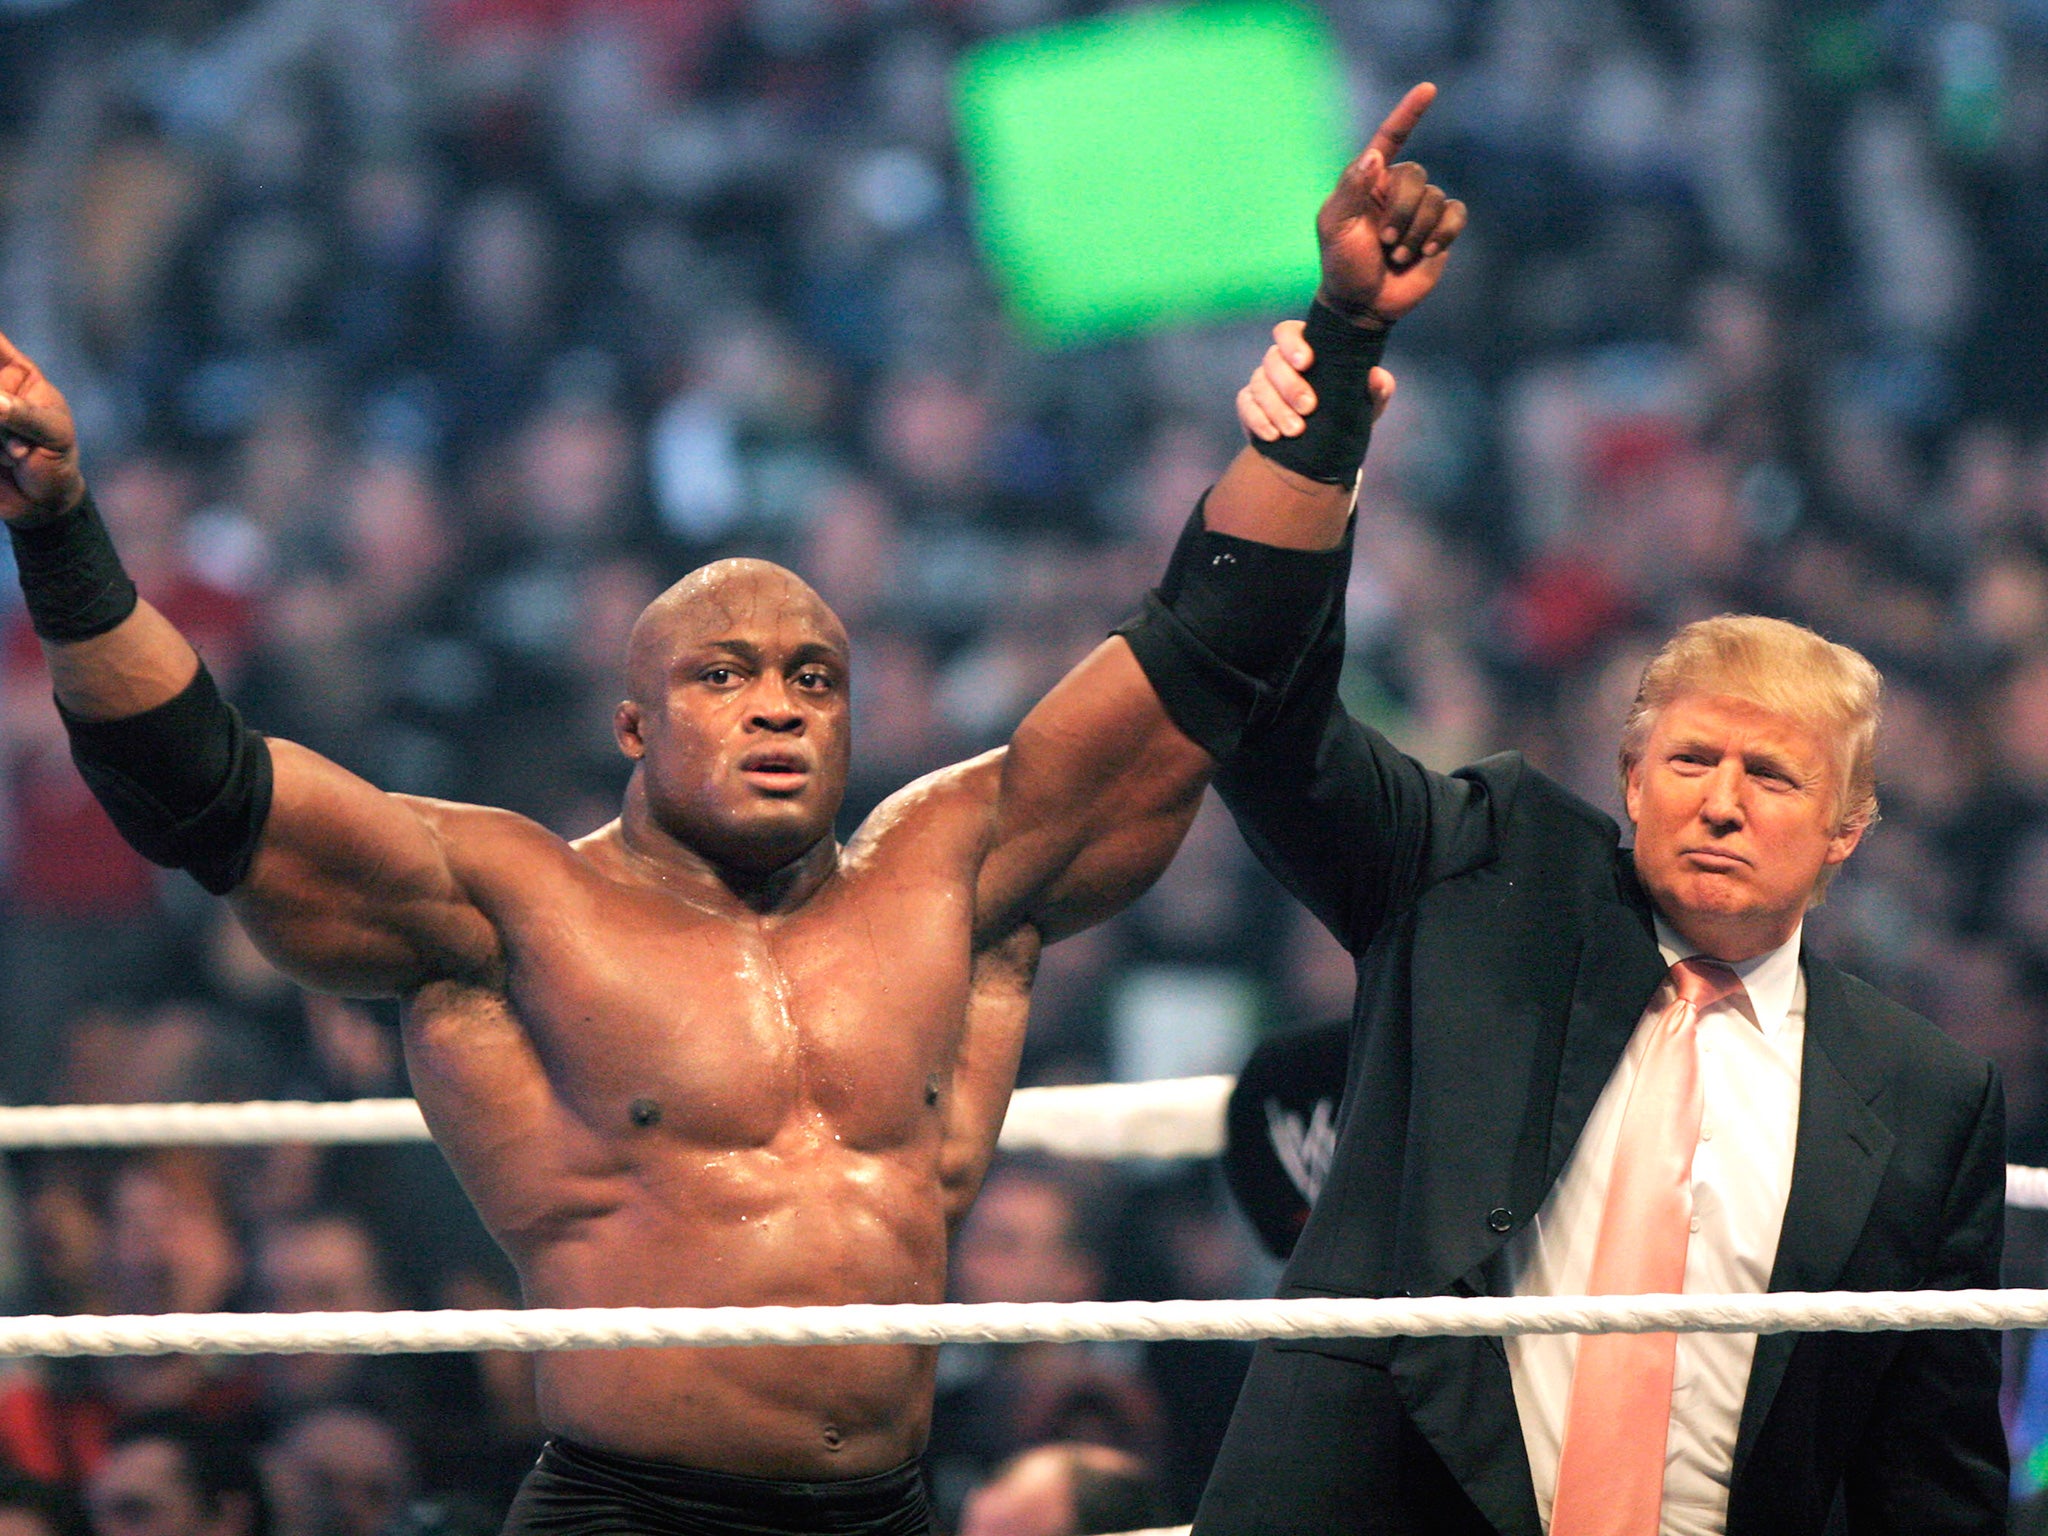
{"x": 1333, "y": 442}
{"x": 70, "y": 575}
{"x": 1223, "y": 636}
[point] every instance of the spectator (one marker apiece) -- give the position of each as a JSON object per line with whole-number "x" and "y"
{"x": 1065, "y": 1489}
{"x": 1028, "y": 1239}
{"x": 339, "y": 1472}
{"x": 172, "y": 1246}
{"x": 30, "y": 1508}
{"x": 166, "y": 1474}
{"x": 1038, "y": 1233}
{"x": 327, "y": 1261}
{"x": 322, "y": 1262}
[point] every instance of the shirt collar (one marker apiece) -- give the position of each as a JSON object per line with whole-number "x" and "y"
{"x": 1770, "y": 979}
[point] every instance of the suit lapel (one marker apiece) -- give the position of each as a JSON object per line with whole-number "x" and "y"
{"x": 1838, "y": 1161}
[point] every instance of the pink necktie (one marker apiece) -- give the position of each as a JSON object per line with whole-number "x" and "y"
{"x": 1610, "y": 1475}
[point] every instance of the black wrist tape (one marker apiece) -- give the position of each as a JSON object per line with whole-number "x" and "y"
{"x": 1223, "y": 635}
{"x": 1333, "y": 442}
{"x": 187, "y": 784}
{"x": 71, "y": 577}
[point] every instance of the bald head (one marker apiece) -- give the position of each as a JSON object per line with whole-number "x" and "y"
{"x": 1064, "y": 1489}
{"x": 725, "y": 598}
{"x": 737, "y": 716}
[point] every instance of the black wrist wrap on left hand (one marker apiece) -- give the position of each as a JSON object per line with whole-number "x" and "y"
{"x": 1222, "y": 636}
{"x": 187, "y": 784}
{"x": 1337, "y": 432}
{"x": 71, "y": 577}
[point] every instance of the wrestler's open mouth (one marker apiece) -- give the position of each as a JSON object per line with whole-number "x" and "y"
{"x": 776, "y": 769}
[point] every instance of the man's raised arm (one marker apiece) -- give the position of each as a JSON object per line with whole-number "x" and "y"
{"x": 1103, "y": 777}
{"x": 1384, "y": 234}
{"x": 345, "y": 887}
{"x": 1260, "y": 569}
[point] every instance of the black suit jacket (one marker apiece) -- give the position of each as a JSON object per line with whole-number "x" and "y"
{"x": 1505, "y": 953}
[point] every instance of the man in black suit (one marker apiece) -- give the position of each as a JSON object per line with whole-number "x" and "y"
{"x": 1518, "y": 968}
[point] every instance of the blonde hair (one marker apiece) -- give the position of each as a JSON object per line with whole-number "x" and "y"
{"x": 1787, "y": 669}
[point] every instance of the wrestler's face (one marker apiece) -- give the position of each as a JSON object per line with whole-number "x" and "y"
{"x": 739, "y": 716}
{"x": 1737, "y": 811}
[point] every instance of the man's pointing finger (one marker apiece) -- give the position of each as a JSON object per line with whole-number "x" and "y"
{"x": 1393, "y": 133}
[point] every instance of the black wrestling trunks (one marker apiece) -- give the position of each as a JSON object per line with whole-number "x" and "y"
{"x": 574, "y": 1490}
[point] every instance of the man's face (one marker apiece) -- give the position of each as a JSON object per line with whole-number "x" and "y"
{"x": 1735, "y": 808}
{"x": 340, "y": 1470}
{"x": 169, "y": 1246}
{"x": 141, "y": 1490}
{"x": 741, "y": 725}
{"x": 1019, "y": 1245}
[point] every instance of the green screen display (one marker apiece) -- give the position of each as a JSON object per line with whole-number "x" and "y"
{"x": 1153, "y": 166}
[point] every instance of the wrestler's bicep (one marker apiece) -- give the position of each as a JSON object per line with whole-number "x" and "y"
{"x": 354, "y": 890}
{"x": 1093, "y": 795}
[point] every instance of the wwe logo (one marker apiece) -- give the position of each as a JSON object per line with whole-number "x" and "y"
{"x": 1304, "y": 1150}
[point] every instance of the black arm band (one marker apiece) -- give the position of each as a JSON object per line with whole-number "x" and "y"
{"x": 186, "y": 783}
{"x": 1222, "y": 636}
{"x": 1333, "y": 442}
{"x": 70, "y": 576}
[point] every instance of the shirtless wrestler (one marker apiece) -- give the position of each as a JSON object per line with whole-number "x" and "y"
{"x": 704, "y": 1055}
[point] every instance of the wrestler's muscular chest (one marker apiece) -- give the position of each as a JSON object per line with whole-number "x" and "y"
{"x": 641, "y": 1037}
{"x": 838, "y": 1011}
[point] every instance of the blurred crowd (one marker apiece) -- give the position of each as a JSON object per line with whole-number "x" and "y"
{"x": 417, "y": 345}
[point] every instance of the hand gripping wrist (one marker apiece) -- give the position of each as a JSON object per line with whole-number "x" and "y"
{"x": 1334, "y": 438}
{"x": 71, "y": 577}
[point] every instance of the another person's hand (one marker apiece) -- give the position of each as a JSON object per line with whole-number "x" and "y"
{"x": 1385, "y": 232}
{"x": 1277, "y": 399}
{"x": 39, "y": 474}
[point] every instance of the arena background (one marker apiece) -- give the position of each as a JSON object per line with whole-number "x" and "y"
{"x": 417, "y": 345}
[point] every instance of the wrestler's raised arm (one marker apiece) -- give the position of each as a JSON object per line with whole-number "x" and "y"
{"x": 347, "y": 888}
{"x": 1384, "y": 235}
{"x": 1099, "y": 785}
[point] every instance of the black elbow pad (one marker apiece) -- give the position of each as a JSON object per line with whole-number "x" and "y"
{"x": 1225, "y": 632}
{"x": 187, "y": 784}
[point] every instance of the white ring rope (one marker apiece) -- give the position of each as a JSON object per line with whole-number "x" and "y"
{"x": 258, "y": 1123}
{"x": 384, "y": 1333}
{"x": 2026, "y": 1189}
{"x": 1175, "y": 1117}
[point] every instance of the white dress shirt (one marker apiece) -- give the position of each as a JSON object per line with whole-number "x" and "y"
{"x": 1741, "y": 1174}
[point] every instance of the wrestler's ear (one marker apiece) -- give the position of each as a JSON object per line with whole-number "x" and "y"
{"x": 626, "y": 730}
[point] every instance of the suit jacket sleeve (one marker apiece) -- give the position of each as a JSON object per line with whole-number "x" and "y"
{"x": 1353, "y": 827}
{"x": 1933, "y": 1459}
{"x": 1244, "y": 644}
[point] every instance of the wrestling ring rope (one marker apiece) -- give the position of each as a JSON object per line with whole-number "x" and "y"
{"x": 534, "y": 1329}
{"x": 1176, "y": 1118}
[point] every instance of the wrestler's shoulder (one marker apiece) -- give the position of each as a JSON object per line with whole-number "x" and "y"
{"x": 483, "y": 840}
{"x": 950, "y": 804}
